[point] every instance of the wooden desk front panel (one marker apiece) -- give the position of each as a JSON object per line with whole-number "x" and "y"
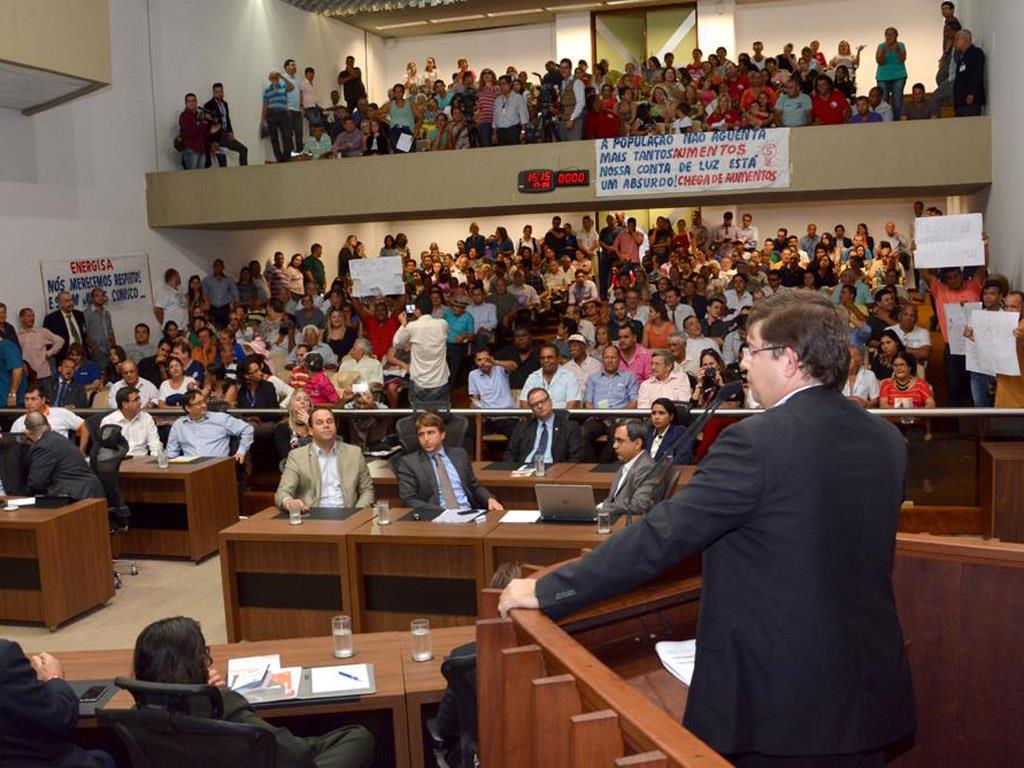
{"x": 54, "y": 563}
{"x": 282, "y": 580}
{"x": 177, "y": 512}
{"x": 1001, "y": 478}
{"x": 411, "y": 570}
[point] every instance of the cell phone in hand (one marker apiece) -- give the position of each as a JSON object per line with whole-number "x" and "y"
{"x": 410, "y": 309}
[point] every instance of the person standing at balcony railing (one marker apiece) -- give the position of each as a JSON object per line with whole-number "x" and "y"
{"x": 275, "y": 116}
{"x": 294, "y": 98}
{"x": 969, "y": 86}
{"x": 510, "y": 114}
{"x": 891, "y": 75}
{"x": 572, "y": 100}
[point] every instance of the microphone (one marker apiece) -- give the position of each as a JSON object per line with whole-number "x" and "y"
{"x": 727, "y": 391}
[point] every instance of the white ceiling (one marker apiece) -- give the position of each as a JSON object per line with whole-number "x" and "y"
{"x": 23, "y": 88}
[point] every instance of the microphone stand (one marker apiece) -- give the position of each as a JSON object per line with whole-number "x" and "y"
{"x": 726, "y": 391}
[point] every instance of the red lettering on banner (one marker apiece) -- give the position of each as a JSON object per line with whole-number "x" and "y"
{"x": 91, "y": 265}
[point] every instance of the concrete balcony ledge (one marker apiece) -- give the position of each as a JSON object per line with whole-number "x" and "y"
{"x": 934, "y": 157}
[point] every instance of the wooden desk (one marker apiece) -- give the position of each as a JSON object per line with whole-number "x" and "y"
{"x": 417, "y": 569}
{"x": 54, "y": 563}
{"x": 513, "y": 492}
{"x": 1000, "y": 479}
{"x": 383, "y": 650}
{"x": 177, "y": 512}
{"x": 425, "y": 685}
{"x": 282, "y": 580}
{"x": 540, "y": 543}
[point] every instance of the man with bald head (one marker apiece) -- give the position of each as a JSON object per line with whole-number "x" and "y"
{"x": 969, "y": 86}
{"x": 67, "y": 322}
{"x": 55, "y": 465}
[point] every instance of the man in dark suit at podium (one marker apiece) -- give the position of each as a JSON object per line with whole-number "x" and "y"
{"x": 559, "y": 438}
{"x": 800, "y": 658}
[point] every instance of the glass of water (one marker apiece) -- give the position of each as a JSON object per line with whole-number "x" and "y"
{"x": 383, "y": 511}
{"x": 420, "y": 629}
{"x": 295, "y": 516}
{"x": 538, "y": 466}
{"x": 341, "y": 633}
{"x": 604, "y": 520}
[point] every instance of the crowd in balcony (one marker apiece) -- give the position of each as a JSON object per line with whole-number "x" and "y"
{"x": 431, "y": 111}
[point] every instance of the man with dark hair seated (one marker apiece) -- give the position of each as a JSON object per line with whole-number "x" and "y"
{"x": 174, "y": 651}
{"x": 553, "y": 436}
{"x": 637, "y": 480}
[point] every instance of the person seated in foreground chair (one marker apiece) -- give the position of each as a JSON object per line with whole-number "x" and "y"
{"x": 325, "y": 473}
{"x": 55, "y": 465}
{"x": 437, "y": 477}
{"x": 38, "y": 712}
{"x": 553, "y": 436}
{"x": 205, "y": 433}
{"x": 637, "y": 480}
{"x": 174, "y": 651}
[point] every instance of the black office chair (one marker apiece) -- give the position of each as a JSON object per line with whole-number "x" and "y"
{"x": 454, "y": 431}
{"x": 14, "y": 466}
{"x": 176, "y": 725}
{"x": 106, "y": 452}
{"x": 459, "y": 703}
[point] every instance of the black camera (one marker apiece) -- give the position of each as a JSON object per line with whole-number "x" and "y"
{"x": 467, "y": 103}
{"x": 547, "y": 96}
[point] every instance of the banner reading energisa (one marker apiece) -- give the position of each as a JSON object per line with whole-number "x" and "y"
{"x": 693, "y": 162}
{"x": 124, "y": 278}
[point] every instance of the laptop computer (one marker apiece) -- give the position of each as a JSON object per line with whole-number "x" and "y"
{"x": 566, "y": 503}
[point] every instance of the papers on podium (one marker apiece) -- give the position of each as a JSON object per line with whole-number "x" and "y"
{"x": 678, "y": 657}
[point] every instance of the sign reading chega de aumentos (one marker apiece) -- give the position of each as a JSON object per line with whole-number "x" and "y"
{"x": 693, "y": 162}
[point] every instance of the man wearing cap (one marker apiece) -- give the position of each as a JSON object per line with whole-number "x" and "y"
{"x": 461, "y": 330}
{"x": 580, "y": 364}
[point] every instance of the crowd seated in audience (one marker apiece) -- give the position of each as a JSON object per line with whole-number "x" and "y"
{"x": 571, "y": 101}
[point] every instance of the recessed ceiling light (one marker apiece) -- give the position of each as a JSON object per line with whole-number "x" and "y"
{"x": 447, "y": 19}
{"x": 576, "y": 7}
{"x": 623, "y": 2}
{"x": 520, "y": 12}
{"x": 400, "y": 26}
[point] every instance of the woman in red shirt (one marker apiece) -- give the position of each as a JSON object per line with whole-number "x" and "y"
{"x": 725, "y": 117}
{"x": 905, "y": 390}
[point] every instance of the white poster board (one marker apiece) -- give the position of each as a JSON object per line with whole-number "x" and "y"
{"x": 126, "y": 280}
{"x": 377, "y": 277}
{"x": 956, "y": 321}
{"x": 949, "y": 241}
{"x": 994, "y": 348}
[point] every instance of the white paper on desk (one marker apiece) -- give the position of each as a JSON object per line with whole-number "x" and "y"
{"x": 526, "y": 470}
{"x": 27, "y": 502}
{"x": 183, "y": 459}
{"x": 994, "y": 349}
{"x": 949, "y": 241}
{"x": 956, "y": 321}
{"x": 678, "y": 657}
{"x": 251, "y": 671}
{"x": 454, "y": 516}
{"x": 521, "y": 516}
{"x": 330, "y": 680}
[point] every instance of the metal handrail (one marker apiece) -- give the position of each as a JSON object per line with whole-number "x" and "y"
{"x": 615, "y": 412}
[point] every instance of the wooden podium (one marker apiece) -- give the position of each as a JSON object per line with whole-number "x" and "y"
{"x": 590, "y": 691}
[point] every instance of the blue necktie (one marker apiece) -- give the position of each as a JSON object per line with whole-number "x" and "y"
{"x": 542, "y": 444}
{"x": 60, "y": 394}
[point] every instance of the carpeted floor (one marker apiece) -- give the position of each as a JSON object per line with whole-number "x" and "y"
{"x": 162, "y": 588}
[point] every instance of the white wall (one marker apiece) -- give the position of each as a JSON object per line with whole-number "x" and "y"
{"x": 777, "y": 22}
{"x": 238, "y": 43}
{"x": 572, "y": 37}
{"x": 525, "y": 47}
{"x": 715, "y": 27}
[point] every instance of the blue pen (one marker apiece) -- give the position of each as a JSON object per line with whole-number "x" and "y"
{"x": 346, "y": 674}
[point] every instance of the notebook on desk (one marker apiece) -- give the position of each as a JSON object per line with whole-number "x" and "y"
{"x": 262, "y": 680}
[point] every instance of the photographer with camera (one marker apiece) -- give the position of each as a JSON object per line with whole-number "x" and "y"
{"x": 710, "y": 378}
{"x": 571, "y": 102}
{"x": 466, "y": 101}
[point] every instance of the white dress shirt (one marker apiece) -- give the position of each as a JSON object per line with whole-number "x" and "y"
{"x": 625, "y": 472}
{"x": 140, "y": 432}
{"x": 148, "y": 392}
{"x": 428, "y": 340}
{"x": 331, "y": 494}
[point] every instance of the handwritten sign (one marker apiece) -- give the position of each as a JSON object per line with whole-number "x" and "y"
{"x": 994, "y": 348}
{"x": 377, "y": 277}
{"x": 956, "y": 321}
{"x": 685, "y": 163}
{"x": 949, "y": 241}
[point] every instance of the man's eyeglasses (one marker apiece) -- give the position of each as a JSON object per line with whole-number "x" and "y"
{"x": 538, "y": 403}
{"x": 752, "y": 351}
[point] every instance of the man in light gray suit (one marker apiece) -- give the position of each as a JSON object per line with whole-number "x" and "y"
{"x": 325, "y": 473}
{"x": 635, "y": 488}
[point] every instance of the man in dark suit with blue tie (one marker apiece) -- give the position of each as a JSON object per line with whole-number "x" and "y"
{"x": 439, "y": 478}
{"x": 553, "y": 436}
{"x": 62, "y": 391}
{"x": 800, "y": 656}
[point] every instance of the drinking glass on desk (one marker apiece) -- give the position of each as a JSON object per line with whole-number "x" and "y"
{"x": 604, "y": 520}
{"x": 383, "y": 511}
{"x": 420, "y": 630}
{"x": 539, "y": 467}
{"x": 341, "y": 633}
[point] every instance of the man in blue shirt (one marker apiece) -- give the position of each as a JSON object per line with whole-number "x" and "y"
{"x": 611, "y": 388}
{"x": 864, "y": 113}
{"x": 461, "y": 330}
{"x": 276, "y": 120}
{"x": 561, "y": 385}
{"x": 489, "y": 388}
{"x": 222, "y": 293}
{"x": 12, "y": 373}
{"x": 201, "y": 433}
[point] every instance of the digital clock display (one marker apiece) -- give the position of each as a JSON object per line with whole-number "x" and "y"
{"x": 543, "y": 180}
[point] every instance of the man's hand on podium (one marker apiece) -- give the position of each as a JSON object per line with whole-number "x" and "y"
{"x": 520, "y": 593}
